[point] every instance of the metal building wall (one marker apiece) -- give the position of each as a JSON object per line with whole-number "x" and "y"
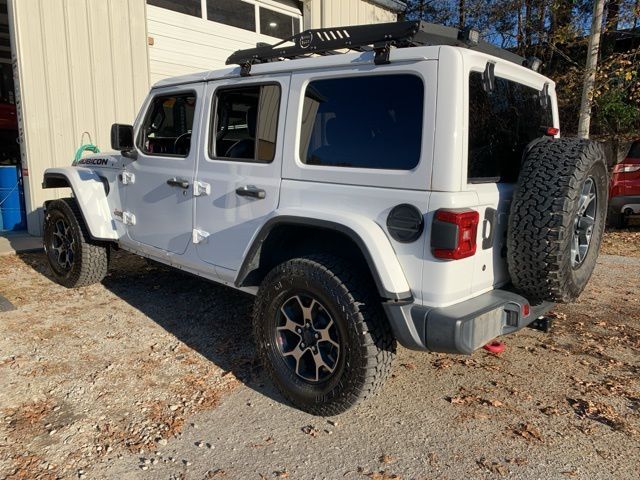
{"x": 80, "y": 65}
{"x": 333, "y": 13}
{"x": 184, "y": 44}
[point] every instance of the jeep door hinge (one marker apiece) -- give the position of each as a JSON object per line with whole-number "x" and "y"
{"x": 127, "y": 178}
{"x": 201, "y": 188}
{"x": 199, "y": 236}
{"x": 127, "y": 218}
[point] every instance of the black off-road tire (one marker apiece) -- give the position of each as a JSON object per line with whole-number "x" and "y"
{"x": 542, "y": 222}
{"x": 366, "y": 341}
{"x": 90, "y": 259}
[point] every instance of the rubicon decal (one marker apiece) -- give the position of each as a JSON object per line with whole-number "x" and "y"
{"x": 94, "y": 161}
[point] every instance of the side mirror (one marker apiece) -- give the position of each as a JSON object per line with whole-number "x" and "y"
{"x": 122, "y": 139}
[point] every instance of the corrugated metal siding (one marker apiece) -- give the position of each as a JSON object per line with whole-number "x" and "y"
{"x": 334, "y": 13}
{"x": 81, "y": 66}
{"x": 185, "y": 44}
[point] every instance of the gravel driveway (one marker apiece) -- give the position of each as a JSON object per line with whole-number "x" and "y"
{"x": 152, "y": 375}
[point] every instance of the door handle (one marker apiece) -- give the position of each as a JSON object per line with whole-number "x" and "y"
{"x": 178, "y": 182}
{"x": 251, "y": 191}
{"x": 489, "y": 228}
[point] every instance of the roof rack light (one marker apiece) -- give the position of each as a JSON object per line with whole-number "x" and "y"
{"x": 470, "y": 36}
{"x": 534, "y": 63}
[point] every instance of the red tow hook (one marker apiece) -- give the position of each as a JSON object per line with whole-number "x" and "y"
{"x": 495, "y": 347}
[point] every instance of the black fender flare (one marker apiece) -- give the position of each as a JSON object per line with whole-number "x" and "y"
{"x": 252, "y": 256}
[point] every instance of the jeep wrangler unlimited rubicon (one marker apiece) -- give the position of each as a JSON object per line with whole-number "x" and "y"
{"x": 413, "y": 189}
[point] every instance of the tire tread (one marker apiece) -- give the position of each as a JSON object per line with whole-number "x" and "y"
{"x": 377, "y": 344}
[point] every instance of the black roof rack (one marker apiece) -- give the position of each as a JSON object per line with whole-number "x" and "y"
{"x": 378, "y": 37}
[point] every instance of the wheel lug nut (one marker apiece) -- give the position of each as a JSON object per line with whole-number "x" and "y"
{"x": 317, "y": 335}
{"x": 302, "y": 345}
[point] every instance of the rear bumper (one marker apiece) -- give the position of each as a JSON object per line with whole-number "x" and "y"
{"x": 465, "y": 326}
{"x": 622, "y": 203}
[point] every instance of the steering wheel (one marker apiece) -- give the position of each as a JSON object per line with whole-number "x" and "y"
{"x": 185, "y": 137}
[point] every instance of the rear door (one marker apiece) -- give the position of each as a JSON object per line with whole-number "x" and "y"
{"x": 239, "y": 174}
{"x": 501, "y": 123}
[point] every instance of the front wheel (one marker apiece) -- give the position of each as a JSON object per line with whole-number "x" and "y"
{"x": 322, "y": 335}
{"x": 75, "y": 260}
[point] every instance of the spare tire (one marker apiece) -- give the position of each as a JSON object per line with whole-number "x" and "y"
{"x": 557, "y": 219}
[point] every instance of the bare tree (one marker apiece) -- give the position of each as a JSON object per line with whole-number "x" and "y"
{"x": 461, "y": 14}
{"x": 584, "y": 119}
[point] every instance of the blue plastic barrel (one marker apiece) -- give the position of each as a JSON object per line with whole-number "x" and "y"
{"x": 11, "y": 199}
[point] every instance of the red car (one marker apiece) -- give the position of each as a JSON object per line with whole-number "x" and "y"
{"x": 9, "y": 149}
{"x": 624, "y": 188}
{"x": 8, "y": 116}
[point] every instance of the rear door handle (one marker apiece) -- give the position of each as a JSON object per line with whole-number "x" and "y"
{"x": 178, "y": 182}
{"x": 251, "y": 191}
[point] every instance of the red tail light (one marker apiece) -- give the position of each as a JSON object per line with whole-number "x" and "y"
{"x": 626, "y": 168}
{"x": 453, "y": 234}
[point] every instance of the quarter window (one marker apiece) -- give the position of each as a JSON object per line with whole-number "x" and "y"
{"x": 232, "y": 12}
{"x": 363, "y": 122}
{"x": 166, "y": 130}
{"x": 501, "y": 124}
{"x": 245, "y": 125}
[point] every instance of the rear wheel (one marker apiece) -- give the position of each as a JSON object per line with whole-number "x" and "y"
{"x": 557, "y": 219}
{"x": 322, "y": 335}
{"x": 75, "y": 260}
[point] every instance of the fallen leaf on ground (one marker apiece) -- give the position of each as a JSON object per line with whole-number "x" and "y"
{"x": 527, "y": 431}
{"x": 598, "y": 412}
{"x": 493, "y": 467}
{"x": 382, "y": 475}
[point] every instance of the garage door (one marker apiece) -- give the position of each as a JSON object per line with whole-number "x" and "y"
{"x": 187, "y": 36}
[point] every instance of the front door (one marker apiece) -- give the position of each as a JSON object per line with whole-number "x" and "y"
{"x": 158, "y": 205}
{"x": 240, "y": 167}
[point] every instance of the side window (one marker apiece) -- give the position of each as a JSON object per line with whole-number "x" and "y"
{"x": 166, "y": 130}
{"x": 363, "y": 122}
{"x": 188, "y": 7}
{"x": 232, "y": 12}
{"x": 501, "y": 124}
{"x": 245, "y": 123}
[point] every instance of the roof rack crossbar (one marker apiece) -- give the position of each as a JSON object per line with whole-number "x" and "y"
{"x": 379, "y": 37}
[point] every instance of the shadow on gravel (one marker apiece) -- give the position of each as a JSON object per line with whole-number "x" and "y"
{"x": 211, "y": 319}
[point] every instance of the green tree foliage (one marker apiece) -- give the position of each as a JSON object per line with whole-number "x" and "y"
{"x": 556, "y": 31}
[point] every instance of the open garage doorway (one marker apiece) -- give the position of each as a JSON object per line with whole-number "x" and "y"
{"x": 12, "y": 210}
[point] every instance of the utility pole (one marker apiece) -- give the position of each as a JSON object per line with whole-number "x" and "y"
{"x": 584, "y": 119}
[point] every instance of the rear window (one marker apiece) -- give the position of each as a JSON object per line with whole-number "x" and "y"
{"x": 363, "y": 122}
{"x": 501, "y": 124}
{"x": 634, "y": 152}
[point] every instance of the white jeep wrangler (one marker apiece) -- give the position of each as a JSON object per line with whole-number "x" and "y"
{"x": 419, "y": 195}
